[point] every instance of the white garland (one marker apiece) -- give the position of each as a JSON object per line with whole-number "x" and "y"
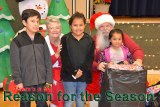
{"x": 153, "y": 72}
{"x": 6, "y": 17}
{"x": 61, "y": 16}
{"x": 4, "y": 48}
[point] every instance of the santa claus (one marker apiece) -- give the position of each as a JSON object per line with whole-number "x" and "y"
{"x": 104, "y": 23}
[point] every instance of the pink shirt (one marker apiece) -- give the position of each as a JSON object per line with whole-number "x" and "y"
{"x": 116, "y": 55}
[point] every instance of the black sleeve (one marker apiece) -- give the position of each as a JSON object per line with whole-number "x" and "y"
{"x": 66, "y": 63}
{"x": 87, "y": 65}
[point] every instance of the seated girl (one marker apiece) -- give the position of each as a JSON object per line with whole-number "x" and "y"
{"x": 116, "y": 53}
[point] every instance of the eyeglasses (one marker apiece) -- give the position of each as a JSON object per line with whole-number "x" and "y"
{"x": 105, "y": 27}
{"x": 54, "y": 28}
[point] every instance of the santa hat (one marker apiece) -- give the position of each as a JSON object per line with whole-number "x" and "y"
{"x": 100, "y": 18}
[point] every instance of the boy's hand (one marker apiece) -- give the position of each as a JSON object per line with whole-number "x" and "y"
{"x": 57, "y": 54}
{"x": 79, "y": 73}
{"x": 19, "y": 86}
{"x": 48, "y": 85}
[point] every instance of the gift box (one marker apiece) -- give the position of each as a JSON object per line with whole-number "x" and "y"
{"x": 9, "y": 85}
{"x": 122, "y": 85}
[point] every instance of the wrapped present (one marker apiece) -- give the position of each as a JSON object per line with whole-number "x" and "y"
{"x": 9, "y": 85}
{"x": 129, "y": 67}
{"x": 153, "y": 89}
{"x": 123, "y": 85}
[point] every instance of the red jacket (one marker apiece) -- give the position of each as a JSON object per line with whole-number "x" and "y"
{"x": 134, "y": 49}
{"x": 56, "y": 71}
{"x": 107, "y": 1}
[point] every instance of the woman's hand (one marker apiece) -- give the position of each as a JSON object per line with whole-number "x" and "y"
{"x": 102, "y": 66}
{"x": 57, "y": 54}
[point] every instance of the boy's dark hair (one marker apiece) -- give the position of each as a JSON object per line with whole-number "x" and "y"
{"x": 77, "y": 15}
{"x": 30, "y": 13}
{"x": 115, "y": 31}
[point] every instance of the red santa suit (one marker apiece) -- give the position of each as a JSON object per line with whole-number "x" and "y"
{"x": 94, "y": 87}
{"x": 56, "y": 70}
{"x": 107, "y": 1}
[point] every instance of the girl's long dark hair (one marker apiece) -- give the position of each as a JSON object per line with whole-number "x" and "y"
{"x": 115, "y": 31}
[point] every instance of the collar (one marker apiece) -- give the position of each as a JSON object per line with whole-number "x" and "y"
{"x": 24, "y": 34}
{"x": 84, "y": 36}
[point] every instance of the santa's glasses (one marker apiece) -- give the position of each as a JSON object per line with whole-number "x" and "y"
{"x": 104, "y": 27}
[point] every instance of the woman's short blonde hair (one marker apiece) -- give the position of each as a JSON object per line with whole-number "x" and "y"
{"x": 51, "y": 19}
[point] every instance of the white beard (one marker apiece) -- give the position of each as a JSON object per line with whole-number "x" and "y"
{"x": 102, "y": 40}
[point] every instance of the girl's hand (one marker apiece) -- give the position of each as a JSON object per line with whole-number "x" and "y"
{"x": 102, "y": 66}
{"x": 126, "y": 62}
{"x": 57, "y": 54}
{"x": 79, "y": 73}
{"x": 110, "y": 64}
